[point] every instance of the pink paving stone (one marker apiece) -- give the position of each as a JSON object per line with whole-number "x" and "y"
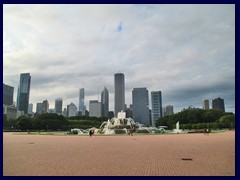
{"x": 138, "y": 155}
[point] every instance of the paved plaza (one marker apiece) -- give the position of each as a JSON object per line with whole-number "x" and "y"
{"x": 137, "y": 155}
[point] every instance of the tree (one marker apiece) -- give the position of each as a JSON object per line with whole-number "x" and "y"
{"x": 227, "y": 121}
{"x": 24, "y": 123}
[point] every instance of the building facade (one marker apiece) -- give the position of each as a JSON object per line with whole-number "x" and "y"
{"x": 39, "y": 107}
{"x": 169, "y": 110}
{"x": 140, "y": 104}
{"x": 156, "y": 97}
{"x": 218, "y": 103}
{"x": 95, "y": 108}
{"x": 30, "y": 108}
{"x": 71, "y": 110}
{"x": 58, "y": 106}
{"x": 10, "y": 111}
{"x": 45, "y": 106}
{"x": 205, "y": 104}
{"x": 24, "y": 92}
{"x": 8, "y": 94}
{"x": 119, "y": 93}
{"x": 81, "y": 107}
{"x": 105, "y": 102}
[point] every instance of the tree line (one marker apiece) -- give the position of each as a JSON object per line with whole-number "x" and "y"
{"x": 51, "y": 122}
{"x": 198, "y": 119}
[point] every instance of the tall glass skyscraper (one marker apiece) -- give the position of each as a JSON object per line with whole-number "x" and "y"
{"x": 58, "y": 105}
{"x": 140, "y": 101}
{"x": 105, "y": 102}
{"x": 119, "y": 93}
{"x": 81, "y": 101}
{"x": 24, "y": 92}
{"x": 156, "y": 97}
{"x": 8, "y": 94}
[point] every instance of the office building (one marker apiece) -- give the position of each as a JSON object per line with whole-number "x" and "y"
{"x": 119, "y": 93}
{"x": 218, "y": 103}
{"x": 156, "y": 97}
{"x": 10, "y": 111}
{"x": 8, "y": 94}
{"x": 140, "y": 104}
{"x": 105, "y": 102}
{"x": 95, "y": 108}
{"x": 81, "y": 107}
{"x": 30, "y": 108}
{"x": 45, "y": 106}
{"x": 58, "y": 106}
{"x": 71, "y": 110}
{"x": 24, "y": 92}
{"x": 64, "y": 112}
{"x": 39, "y": 107}
{"x": 169, "y": 110}
{"x": 205, "y": 104}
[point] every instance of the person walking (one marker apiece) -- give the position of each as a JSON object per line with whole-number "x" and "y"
{"x": 91, "y": 132}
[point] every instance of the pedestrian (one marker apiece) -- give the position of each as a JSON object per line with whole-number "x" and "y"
{"x": 207, "y": 131}
{"x": 91, "y": 132}
{"x": 131, "y": 133}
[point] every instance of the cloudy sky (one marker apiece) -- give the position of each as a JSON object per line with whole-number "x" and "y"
{"x": 185, "y": 51}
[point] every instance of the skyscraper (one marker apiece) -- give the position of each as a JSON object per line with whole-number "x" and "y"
{"x": 140, "y": 101}
{"x": 105, "y": 102}
{"x": 169, "y": 110}
{"x": 218, "y": 103}
{"x": 156, "y": 97}
{"x": 81, "y": 101}
{"x": 30, "y": 108}
{"x": 8, "y": 94}
{"x": 24, "y": 92}
{"x": 119, "y": 93}
{"x": 45, "y": 106}
{"x": 71, "y": 110}
{"x": 39, "y": 107}
{"x": 95, "y": 108}
{"x": 58, "y": 106}
{"x": 205, "y": 104}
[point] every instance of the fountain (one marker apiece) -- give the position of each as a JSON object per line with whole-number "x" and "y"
{"x": 119, "y": 125}
{"x": 177, "y": 130}
{"x": 123, "y": 125}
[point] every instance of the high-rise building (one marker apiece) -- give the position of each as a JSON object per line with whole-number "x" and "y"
{"x": 205, "y": 104}
{"x": 58, "y": 106}
{"x": 119, "y": 93}
{"x": 8, "y": 94}
{"x": 169, "y": 110}
{"x": 82, "y": 107}
{"x": 30, "y": 108}
{"x": 105, "y": 102}
{"x": 24, "y": 92}
{"x": 64, "y": 112}
{"x": 71, "y": 110}
{"x": 140, "y": 101}
{"x": 45, "y": 106}
{"x": 10, "y": 111}
{"x": 39, "y": 107}
{"x": 218, "y": 103}
{"x": 95, "y": 108}
{"x": 156, "y": 97}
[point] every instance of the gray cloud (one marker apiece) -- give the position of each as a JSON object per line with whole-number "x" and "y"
{"x": 186, "y": 51}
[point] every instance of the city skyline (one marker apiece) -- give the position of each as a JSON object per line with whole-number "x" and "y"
{"x": 185, "y": 51}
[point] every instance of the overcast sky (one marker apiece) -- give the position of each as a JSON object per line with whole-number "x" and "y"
{"x": 185, "y": 51}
